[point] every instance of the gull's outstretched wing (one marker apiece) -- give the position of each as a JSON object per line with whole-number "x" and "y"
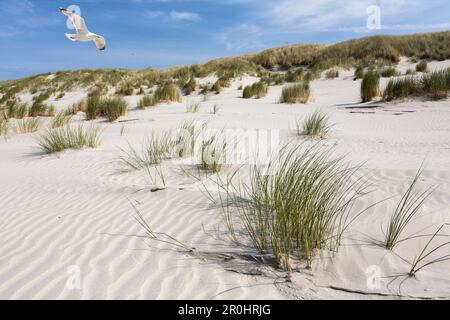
{"x": 100, "y": 43}
{"x": 77, "y": 21}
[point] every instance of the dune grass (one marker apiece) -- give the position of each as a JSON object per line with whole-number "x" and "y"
{"x": 18, "y": 111}
{"x": 224, "y": 81}
{"x": 188, "y": 140}
{"x": 302, "y": 206}
{"x": 39, "y": 99}
{"x": 125, "y": 89}
{"x": 247, "y": 93}
{"x": 159, "y": 236}
{"x": 212, "y": 153}
{"x": 114, "y": 107}
{"x": 401, "y": 88}
{"x": 4, "y": 125}
{"x": 310, "y": 76}
{"x": 77, "y": 107}
{"x": 10, "y": 109}
{"x": 183, "y": 142}
{"x": 370, "y": 86}
{"x": 146, "y": 101}
{"x": 274, "y": 79}
{"x": 172, "y": 143}
{"x": 41, "y": 110}
{"x": 257, "y": 90}
{"x": 295, "y": 75}
{"x": 389, "y": 72}
{"x": 297, "y": 93}
{"x": 204, "y": 89}
{"x": 167, "y": 93}
{"x": 93, "y": 106}
{"x": 422, "y": 66}
{"x": 51, "y": 111}
{"x": 215, "y": 109}
{"x": 427, "y": 255}
{"x": 314, "y": 125}
{"x": 190, "y": 86}
{"x": 60, "y": 120}
{"x": 110, "y": 107}
{"x": 154, "y": 149}
{"x": 359, "y": 72}
{"x": 332, "y": 74}
{"x": 193, "y": 107}
{"x": 28, "y": 125}
{"x": 217, "y": 86}
{"x": 69, "y": 137}
{"x": 22, "y": 111}
{"x": 406, "y": 210}
{"x": 436, "y": 84}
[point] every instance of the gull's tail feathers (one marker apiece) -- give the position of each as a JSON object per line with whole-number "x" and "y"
{"x": 71, "y": 37}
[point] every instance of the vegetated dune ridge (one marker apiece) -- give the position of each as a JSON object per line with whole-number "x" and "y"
{"x": 73, "y": 209}
{"x": 368, "y": 51}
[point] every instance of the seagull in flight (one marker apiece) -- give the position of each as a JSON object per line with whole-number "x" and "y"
{"x": 83, "y": 34}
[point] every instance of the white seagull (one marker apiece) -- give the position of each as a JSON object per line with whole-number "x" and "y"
{"x": 83, "y": 34}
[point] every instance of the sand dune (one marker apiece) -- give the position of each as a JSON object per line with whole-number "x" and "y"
{"x": 73, "y": 210}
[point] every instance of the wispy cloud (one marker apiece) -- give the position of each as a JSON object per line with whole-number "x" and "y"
{"x": 190, "y": 16}
{"x": 7, "y": 31}
{"x": 154, "y": 14}
{"x": 17, "y": 7}
{"x": 173, "y": 15}
{"x": 394, "y": 27}
{"x": 325, "y": 14}
{"x": 242, "y": 37}
{"x": 23, "y": 15}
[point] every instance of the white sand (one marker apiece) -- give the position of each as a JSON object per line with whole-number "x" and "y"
{"x": 72, "y": 210}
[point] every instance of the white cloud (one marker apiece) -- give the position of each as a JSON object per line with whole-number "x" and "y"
{"x": 17, "y": 7}
{"x": 325, "y": 14}
{"x": 190, "y": 16}
{"x": 173, "y": 15}
{"x": 153, "y": 14}
{"x": 24, "y": 15}
{"x": 7, "y": 31}
{"x": 242, "y": 37}
{"x": 436, "y": 26}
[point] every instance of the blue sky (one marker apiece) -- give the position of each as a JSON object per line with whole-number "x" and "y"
{"x": 162, "y": 33}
